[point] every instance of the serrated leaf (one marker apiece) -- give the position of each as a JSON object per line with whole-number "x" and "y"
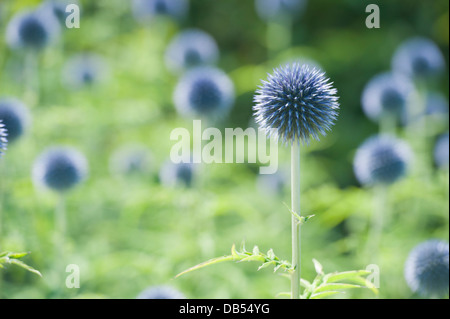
{"x": 267, "y": 264}
{"x": 25, "y": 266}
{"x": 335, "y": 286}
{"x": 17, "y": 255}
{"x": 271, "y": 254}
{"x": 334, "y": 277}
{"x": 253, "y": 258}
{"x": 364, "y": 283}
{"x": 325, "y": 294}
{"x": 305, "y": 283}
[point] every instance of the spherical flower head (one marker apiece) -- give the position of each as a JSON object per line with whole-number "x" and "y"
{"x": 60, "y": 168}
{"x": 427, "y": 269}
{"x": 270, "y": 9}
{"x": 131, "y": 159}
{"x": 191, "y": 48}
{"x": 418, "y": 58}
{"x": 204, "y": 92}
{"x": 82, "y": 70}
{"x": 15, "y": 117}
{"x": 32, "y": 30}
{"x": 296, "y": 102}
{"x": 177, "y": 174}
{"x": 161, "y": 292}
{"x": 441, "y": 151}
{"x": 3, "y": 140}
{"x": 146, "y": 10}
{"x": 382, "y": 159}
{"x": 386, "y": 94}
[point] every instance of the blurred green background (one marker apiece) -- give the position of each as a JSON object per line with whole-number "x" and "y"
{"x": 130, "y": 232}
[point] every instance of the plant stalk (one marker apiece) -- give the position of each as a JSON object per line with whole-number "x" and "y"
{"x": 295, "y": 206}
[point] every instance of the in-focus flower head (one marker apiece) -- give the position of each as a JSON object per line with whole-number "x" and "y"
{"x": 418, "y": 58}
{"x": 270, "y": 9}
{"x": 84, "y": 69}
{"x": 177, "y": 174}
{"x": 146, "y": 10}
{"x": 191, "y": 48}
{"x": 382, "y": 159}
{"x": 204, "y": 92}
{"x": 161, "y": 292}
{"x": 15, "y": 117}
{"x": 32, "y": 30}
{"x": 60, "y": 168}
{"x": 386, "y": 94}
{"x": 3, "y": 140}
{"x": 297, "y": 101}
{"x": 427, "y": 269}
{"x": 441, "y": 151}
{"x": 131, "y": 159}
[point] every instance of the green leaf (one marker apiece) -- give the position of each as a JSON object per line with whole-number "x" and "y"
{"x": 335, "y": 286}
{"x": 364, "y": 283}
{"x": 25, "y": 266}
{"x": 17, "y": 255}
{"x": 339, "y": 276}
{"x": 283, "y": 294}
{"x": 325, "y": 294}
{"x": 318, "y": 267}
{"x": 207, "y": 263}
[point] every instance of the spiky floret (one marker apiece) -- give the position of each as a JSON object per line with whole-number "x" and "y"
{"x": 441, "y": 151}
{"x": 3, "y": 140}
{"x": 296, "y": 102}
{"x": 60, "y": 168}
{"x": 382, "y": 159}
{"x": 161, "y": 292}
{"x": 427, "y": 269}
{"x": 15, "y": 116}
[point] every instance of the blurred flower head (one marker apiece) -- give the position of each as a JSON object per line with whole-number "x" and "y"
{"x": 3, "y": 140}
{"x": 58, "y": 8}
{"x": 32, "y": 30}
{"x": 441, "y": 151}
{"x": 436, "y": 107}
{"x": 386, "y": 94}
{"x": 146, "y": 10}
{"x": 427, "y": 269}
{"x": 204, "y": 92}
{"x": 161, "y": 292}
{"x": 177, "y": 174}
{"x": 131, "y": 159}
{"x": 298, "y": 101}
{"x": 84, "y": 69}
{"x": 15, "y": 117}
{"x": 191, "y": 48}
{"x": 382, "y": 159}
{"x": 269, "y": 9}
{"x": 60, "y": 168}
{"x": 418, "y": 58}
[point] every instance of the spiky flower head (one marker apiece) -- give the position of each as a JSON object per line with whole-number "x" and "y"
{"x": 3, "y": 140}
{"x": 204, "y": 92}
{"x": 441, "y": 151}
{"x": 146, "y": 10}
{"x": 84, "y": 69}
{"x": 427, "y": 269}
{"x": 60, "y": 168}
{"x": 131, "y": 159}
{"x": 386, "y": 94}
{"x": 296, "y": 102}
{"x": 32, "y": 30}
{"x": 177, "y": 174}
{"x": 161, "y": 292}
{"x": 418, "y": 58}
{"x": 382, "y": 159}
{"x": 15, "y": 117}
{"x": 191, "y": 48}
{"x": 269, "y": 9}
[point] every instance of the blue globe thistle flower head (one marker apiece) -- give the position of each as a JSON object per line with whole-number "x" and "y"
{"x": 161, "y": 292}
{"x": 386, "y": 94}
{"x": 191, "y": 48}
{"x": 204, "y": 92}
{"x": 382, "y": 159}
{"x": 270, "y": 9}
{"x": 3, "y": 140}
{"x": 441, "y": 151}
{"x": 15, "y": 117}
{"x": 418, "y": 58}
{"x": 427, "y": 269}
{"x": 85, "y": 69}
{"x": 295, "y": 104}
{"x": 60, "y": 168}
{"x": 32, "y": 30}
{"x": 146, "y": 10}
{"x": 177, "y": 174}
{"x": 131, "y": 159}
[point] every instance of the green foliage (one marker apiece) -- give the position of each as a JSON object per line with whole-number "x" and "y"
{"x": 9, "y": 258}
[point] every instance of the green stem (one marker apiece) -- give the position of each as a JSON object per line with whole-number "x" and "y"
{"x": 380, "y": 210}
{"x": 295, "y": 203}
{"x": 388, "y": 124}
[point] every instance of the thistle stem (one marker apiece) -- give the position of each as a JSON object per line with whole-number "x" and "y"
{"x": 376, "y": 230}
{"x": 295, "y": 206}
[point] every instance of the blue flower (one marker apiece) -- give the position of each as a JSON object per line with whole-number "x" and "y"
{"x": 441, "y": 151}
{"x": 382, "y": 159}
{"x": 131, "y": 159}
{"x": 298, "y": 102}
{"x": 205, "y": 92}
{"x": 32, "y": 30}
{"x": 418, "y": 58}
{"x": 386, "y": 94}
{"x": 161, "y": 292}
{"x": 191, "y": 48}
{"x": 15, "y": 117}
{"x": 177, "y": 174}
{"x": 269, "y": 9}
{"x": 84, "y": 69}
{"x": 3, "y": 140}
{"x": 427, "y": 269}
{"x": 60, "y": 168}
{"x": 146, "y": 10}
